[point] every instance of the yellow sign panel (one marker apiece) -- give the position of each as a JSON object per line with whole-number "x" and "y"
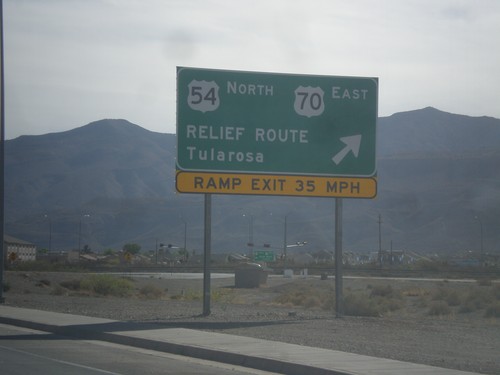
{"x": 263, "y": 184}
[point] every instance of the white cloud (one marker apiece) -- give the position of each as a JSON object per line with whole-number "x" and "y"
{"x": 71, "y": 62}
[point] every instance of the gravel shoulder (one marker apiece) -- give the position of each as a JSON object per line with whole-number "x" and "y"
{"x": 468, "y": 342}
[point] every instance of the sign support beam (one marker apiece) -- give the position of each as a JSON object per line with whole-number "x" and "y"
{"x": 207, "y": 254}
{"x": 339, "y": 299}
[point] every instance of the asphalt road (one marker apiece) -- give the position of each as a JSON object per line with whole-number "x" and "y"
{"x": 30, "y": 352}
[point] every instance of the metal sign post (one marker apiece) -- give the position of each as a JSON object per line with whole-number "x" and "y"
{"x": 339, "y": 308}
{"x": 207, "y": 254}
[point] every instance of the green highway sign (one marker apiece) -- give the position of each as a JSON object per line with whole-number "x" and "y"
{"x": 263, "y": 256}
{"x": 279, "y": 124}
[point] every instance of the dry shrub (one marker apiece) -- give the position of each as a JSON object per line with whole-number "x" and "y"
{"x": 415, "y": 292}
{"x": 59, "y": 291}
{"x": 476, "y": 299}
{"x": 392, "y": 304}
{"x": 379, "y": 300}
{"x": 467, "y": 307}
{"x": 216, "y": 295}
{"x": 386, "y": 298}
{"x": 312, "y": 302}
{"x": 43, "y": 283}
{"x": 107, "y": 285}
{"x": 5, "y": 286}
{"x": 493, "y": 311}
{"x": 357, "y": 305}
{"x": 496, "y": 292}
{"x": 305, "y": 296}
{"x": 439, "y": 308}
{"x": 295, "y": 298}
{"x": 151, "y": 291}
{"x": 439, "y": 294}
{"x": 384, "y": 291}
{"x": 73, "y": 284}
{"x": 453, "y": 299}
{"x": 484, "y": 282}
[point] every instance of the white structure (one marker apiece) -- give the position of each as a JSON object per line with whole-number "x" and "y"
{"x": 18, "y": 250}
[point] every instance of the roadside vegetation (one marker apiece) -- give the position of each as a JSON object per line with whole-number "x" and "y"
{"x": 103, "y": 285}
{"x": 442, "y": 299}
{"x": 362, "y": 297}
{"x": 118, "y": 286}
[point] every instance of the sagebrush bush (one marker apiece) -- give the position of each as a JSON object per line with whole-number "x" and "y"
{"x": 493, "y": 310}
{"x": 453, "y": 299}
{"x": 58, "y": 290}
{"x": 438, "y": 308}
{"x": 151, "y": 291}
{"x": 6, "y": 287}
{"x": 484, "y": 282}
{"x": 477, "y": 299}
{"x": 73, "y": 284}
{"x": 383, "y": 291}
{"x": 216, "y": 295}
{"x": 439, "y": 294}
{"x": 43, "y": 283}
{"x": 312, "y": 302}
{"x": 415, "y": 292}
{"x": 107, "y": 285}
{"x": 308, "y": 298}
{"x": 358, "y": 305}
{"x": 467, "y": 307}
{"x": 496, "y": 292}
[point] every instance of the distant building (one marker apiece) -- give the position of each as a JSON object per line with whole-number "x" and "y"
{"x": 18, "y": 250}
{"x": 71, "y": 256}
{"x": 393, "y": 257}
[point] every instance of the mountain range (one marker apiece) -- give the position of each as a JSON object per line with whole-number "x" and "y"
{"x": 112, "y": 182}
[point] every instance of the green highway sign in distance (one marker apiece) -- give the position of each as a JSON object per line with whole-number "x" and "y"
{"x": 282, "y": 124}
{"x": 263, "y": 256}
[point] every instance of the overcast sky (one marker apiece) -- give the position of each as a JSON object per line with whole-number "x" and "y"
{"x": 71, "y": 62}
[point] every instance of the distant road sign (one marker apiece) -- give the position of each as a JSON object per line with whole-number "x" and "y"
{"x": 263, "y": 256}
{"x": 278, "y": 124}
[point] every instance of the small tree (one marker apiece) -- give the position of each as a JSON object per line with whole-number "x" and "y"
{"x": 109, "y": 251}
{"x": 42, "y": 251}
{"x": 184, "y": 255}
{"x": 131, "y": 248}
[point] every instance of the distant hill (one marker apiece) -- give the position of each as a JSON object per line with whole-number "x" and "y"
{"x": 429, "y": 131}
{"x": 108, "y": 158}
{"x": 111, "y": 182}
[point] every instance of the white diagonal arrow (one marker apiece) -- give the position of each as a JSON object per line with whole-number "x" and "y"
{"x": 352, "y": 143}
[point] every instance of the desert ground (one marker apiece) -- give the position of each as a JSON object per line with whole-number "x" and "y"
{"x": 445, "y": 323}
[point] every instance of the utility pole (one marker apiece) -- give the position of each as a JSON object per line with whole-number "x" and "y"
{"x": 250, "y": 234}
{"x": 481, "y": 238}
{"x": 80, "y": 233}
{"x": 391, "y": 254}
{"x": 185, "y": 233}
